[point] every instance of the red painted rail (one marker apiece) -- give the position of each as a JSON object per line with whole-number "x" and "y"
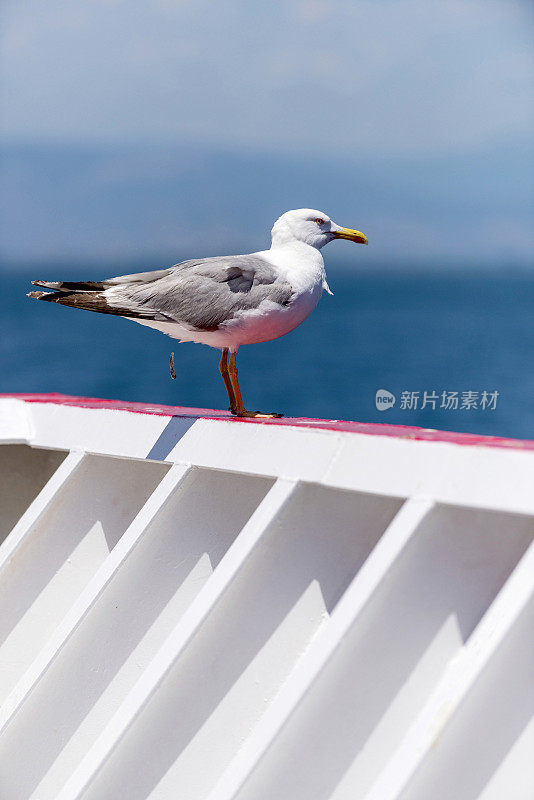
{"x": 370, "y": 428}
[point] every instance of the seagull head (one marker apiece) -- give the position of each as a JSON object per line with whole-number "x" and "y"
{"x": 311, "y": 227}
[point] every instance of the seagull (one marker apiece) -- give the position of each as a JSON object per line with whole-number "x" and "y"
{"x": 223, "y": 301}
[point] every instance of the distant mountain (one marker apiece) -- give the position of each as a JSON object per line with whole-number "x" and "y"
{"x": 156, "y": 203}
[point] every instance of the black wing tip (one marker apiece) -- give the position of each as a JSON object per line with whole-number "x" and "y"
{"x": 72, "y": 286}
{"x": 47, "y": 284}
{"x": 50, "y": 296}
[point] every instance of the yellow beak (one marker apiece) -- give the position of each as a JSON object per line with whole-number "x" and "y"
{"x": 353, "y": 236}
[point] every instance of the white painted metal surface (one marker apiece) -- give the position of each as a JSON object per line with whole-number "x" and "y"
{"x": 207, "y": 609}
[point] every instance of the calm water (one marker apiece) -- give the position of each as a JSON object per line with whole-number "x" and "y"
{"x": 403, "y": 333}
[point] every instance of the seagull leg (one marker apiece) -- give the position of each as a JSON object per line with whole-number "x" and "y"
{"x": 223, "y": 369}
{"x": 240, "y": 410}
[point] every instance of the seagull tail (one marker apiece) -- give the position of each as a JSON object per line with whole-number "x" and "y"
{"x": 93, "y": 300}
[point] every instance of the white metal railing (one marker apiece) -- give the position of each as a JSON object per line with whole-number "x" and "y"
{"x": 344, "y": 616}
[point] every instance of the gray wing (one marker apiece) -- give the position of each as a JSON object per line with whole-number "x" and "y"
{"x": 200, "y": 294}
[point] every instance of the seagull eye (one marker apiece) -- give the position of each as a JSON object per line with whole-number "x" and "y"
{"x": 319, "y": 221}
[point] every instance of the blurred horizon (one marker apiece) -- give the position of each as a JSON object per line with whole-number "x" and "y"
{"x": 153, "y": 203}
{"x": 156, "y": 129}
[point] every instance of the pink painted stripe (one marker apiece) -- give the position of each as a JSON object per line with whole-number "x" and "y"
{"x": 370, "y": 428}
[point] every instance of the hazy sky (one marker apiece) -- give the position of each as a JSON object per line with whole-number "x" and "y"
{"x": 413, "y": 118}
{"x": 376, "y": 76}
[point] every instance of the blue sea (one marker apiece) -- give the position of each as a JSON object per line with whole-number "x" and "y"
{"x": 408, "y": 334}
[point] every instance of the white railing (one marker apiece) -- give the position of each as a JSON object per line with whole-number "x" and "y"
{"x": 260, "y": 611}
